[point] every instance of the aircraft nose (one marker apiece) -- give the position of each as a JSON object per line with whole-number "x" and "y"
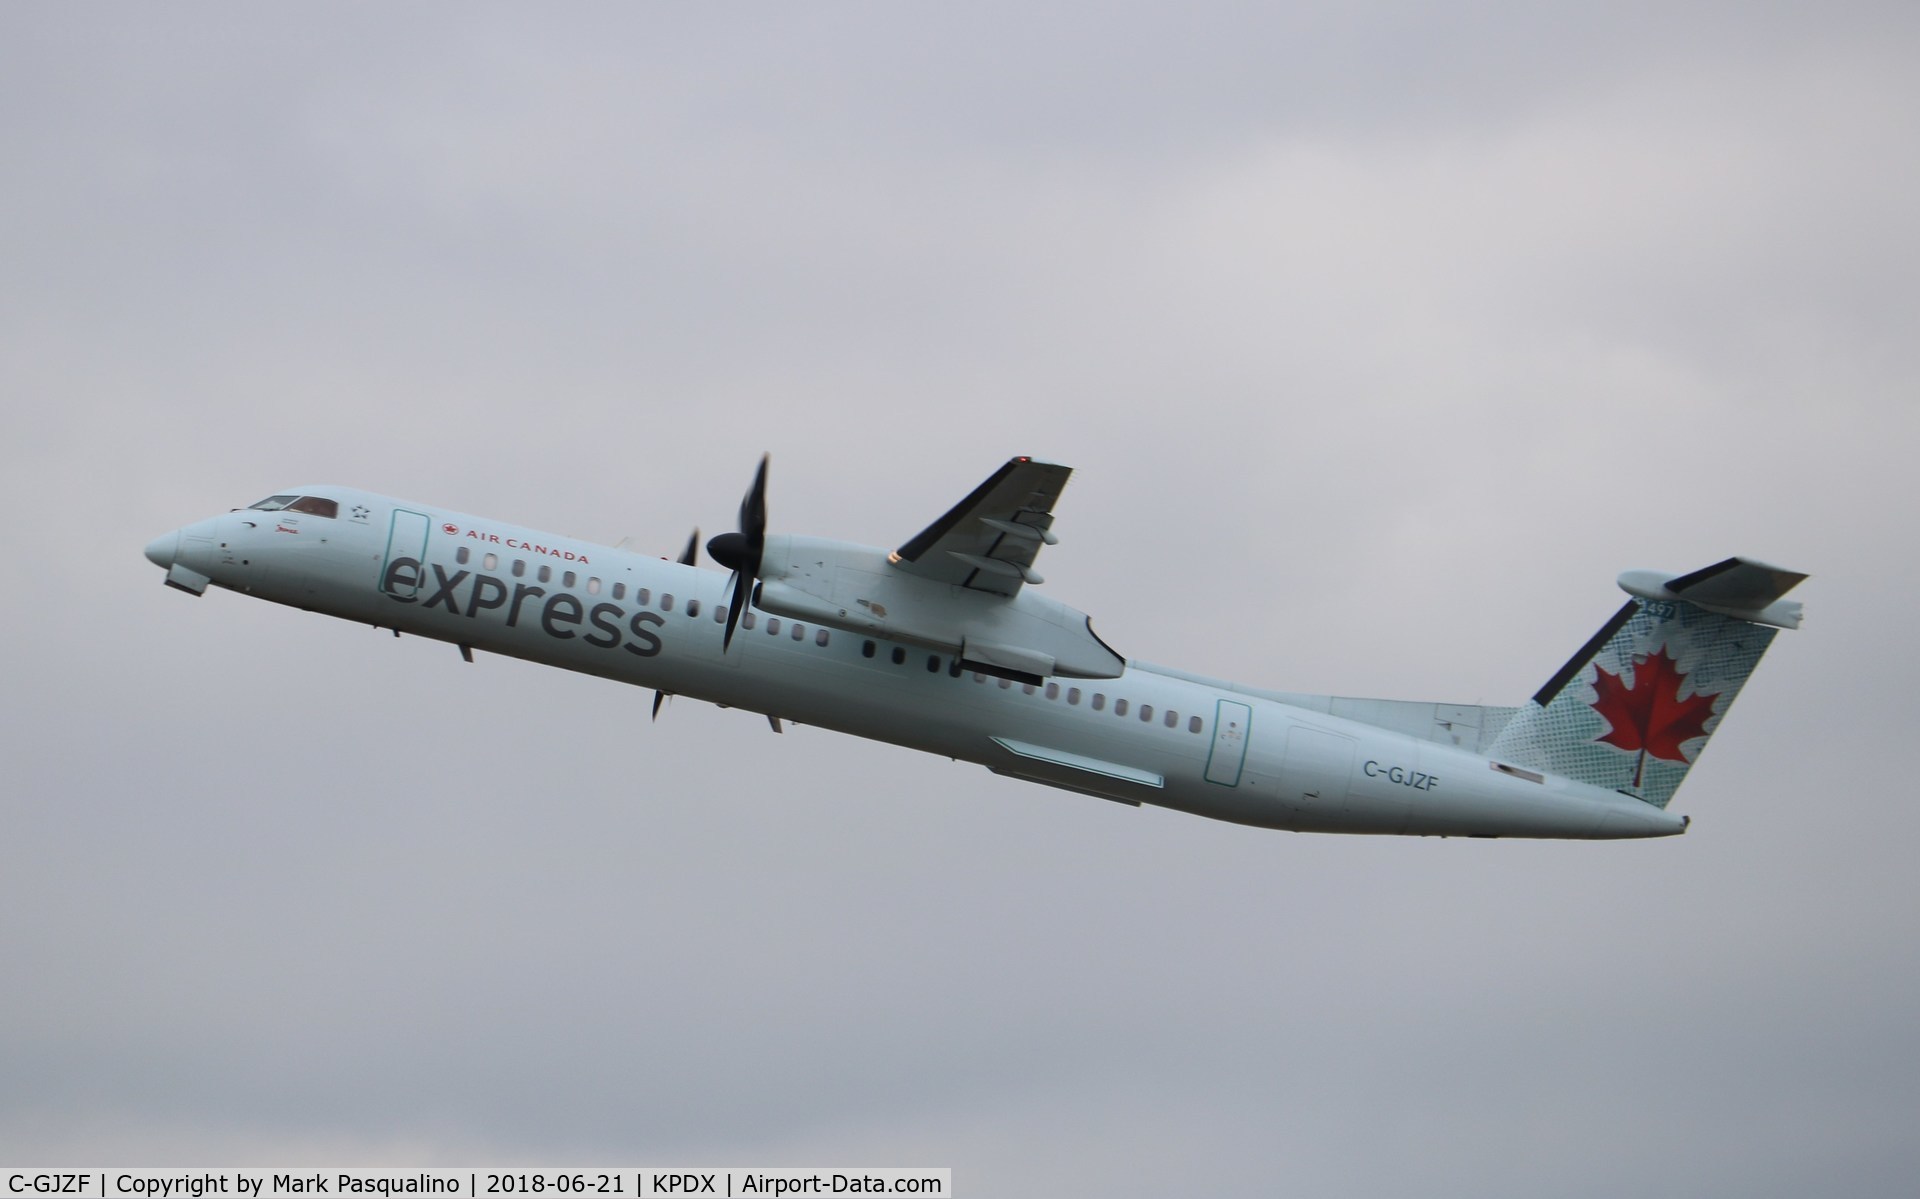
{"x": 161, "y": 550}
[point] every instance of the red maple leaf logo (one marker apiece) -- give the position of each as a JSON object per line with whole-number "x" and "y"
{"x": 1650, "y": 716}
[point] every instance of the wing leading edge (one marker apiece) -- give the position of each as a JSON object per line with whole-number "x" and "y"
{"x": 988, "y": 541}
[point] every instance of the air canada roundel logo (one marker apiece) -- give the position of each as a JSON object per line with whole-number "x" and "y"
{"x": 1648, "y": 716}
{"x": 450, "y": 530}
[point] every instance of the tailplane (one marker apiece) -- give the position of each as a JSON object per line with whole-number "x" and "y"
{"x": 1632, "y": 710}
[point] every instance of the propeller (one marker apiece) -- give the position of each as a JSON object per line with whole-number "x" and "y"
{"x": 740, "y": 551}
{"x": 688, "y": 557}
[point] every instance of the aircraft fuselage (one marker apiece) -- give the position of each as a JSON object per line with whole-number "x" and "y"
{"x": 1147, "y": 736}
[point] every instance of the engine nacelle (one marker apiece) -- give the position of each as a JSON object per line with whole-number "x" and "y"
{"x": 856, "y": 588}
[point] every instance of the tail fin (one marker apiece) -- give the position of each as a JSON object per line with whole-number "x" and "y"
{"x": 1634, "y": 708}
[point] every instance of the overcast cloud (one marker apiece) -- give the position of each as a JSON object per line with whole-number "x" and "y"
{"x": 1380, "y": 341}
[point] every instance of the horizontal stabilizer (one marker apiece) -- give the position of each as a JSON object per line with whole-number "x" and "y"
{"x": 1737, "y": 587}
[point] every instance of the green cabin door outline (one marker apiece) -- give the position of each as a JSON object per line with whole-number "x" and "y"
{"x": 1232, "y": 722}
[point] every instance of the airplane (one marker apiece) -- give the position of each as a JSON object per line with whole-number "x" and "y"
{"x": 945, "y": 645}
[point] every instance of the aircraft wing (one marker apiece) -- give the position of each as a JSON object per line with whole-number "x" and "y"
{"x": 988, "y": 541}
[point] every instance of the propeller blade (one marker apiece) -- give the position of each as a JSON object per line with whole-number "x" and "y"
{"x": 742, "y": 550}
{"x": 691, "y": 555}
{"x": 733, "y": 610}
{"x": 659, "y": 697}
{"x": 753, "y": 509}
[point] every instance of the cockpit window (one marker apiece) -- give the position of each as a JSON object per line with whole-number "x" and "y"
{"x": 313, "y": 505}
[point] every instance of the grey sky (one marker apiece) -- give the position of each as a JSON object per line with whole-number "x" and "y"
{"x": 1381, "y": 343}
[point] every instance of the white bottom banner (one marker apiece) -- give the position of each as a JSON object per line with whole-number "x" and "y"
{"x": 626, "y": 1182}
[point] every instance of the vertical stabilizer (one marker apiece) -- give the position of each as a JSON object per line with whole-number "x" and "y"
{"x": 1633, "y": 709}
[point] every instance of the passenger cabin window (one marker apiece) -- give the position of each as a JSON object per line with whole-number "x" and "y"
{"x": 491, "y": 561}
{"x": 619, "y": 591}
{"x": 693, "y": 607}
{"x": 1119, "y": 707}
{"x": 519, "y": 568}
{"x": 461, "y": 555}
{"x": 546, "y": 573}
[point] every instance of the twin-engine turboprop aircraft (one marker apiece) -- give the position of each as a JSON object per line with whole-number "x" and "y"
{"x": 943, "y": 645}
